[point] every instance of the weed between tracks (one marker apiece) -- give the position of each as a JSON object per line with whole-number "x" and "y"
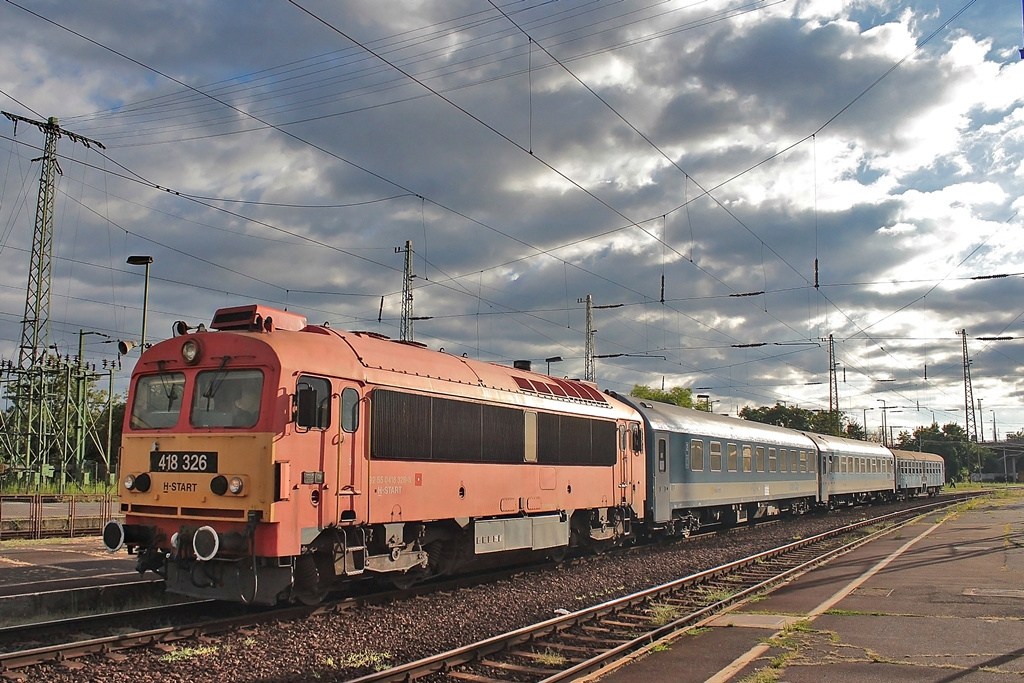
{"x": 181, "y": 654}
{"x": 662, "y": 613}
{"x": 551, "y": 658}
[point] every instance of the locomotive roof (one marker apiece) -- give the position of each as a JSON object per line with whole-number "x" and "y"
{"x": 673, "y": 418}
{"x": 378, "y": 360}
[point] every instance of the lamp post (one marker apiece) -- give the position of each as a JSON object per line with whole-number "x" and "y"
{"x": 553, "y": 359}
{"x": 143, "y": 261}
{"x": 864, "y": 420}
{"x": 884, "y": 408}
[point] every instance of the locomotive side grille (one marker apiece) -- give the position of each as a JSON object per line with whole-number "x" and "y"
{"x": 567, "y": 440}
{"x": 416, "y": 427}
{"x": 461, "y": 425}
{"x": 401, "y": 426}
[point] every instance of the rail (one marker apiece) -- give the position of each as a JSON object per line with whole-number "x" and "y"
{"x": 604, "y": 633}
{"x": 43, "y": 515}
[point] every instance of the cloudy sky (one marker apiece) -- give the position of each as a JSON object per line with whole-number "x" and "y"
{"x": 685, "y": 163}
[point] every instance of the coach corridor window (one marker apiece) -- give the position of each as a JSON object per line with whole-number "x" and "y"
{"x": 697, "y": 455}
{"x": 662, "y": 456}
{"x": 716, "y": 456}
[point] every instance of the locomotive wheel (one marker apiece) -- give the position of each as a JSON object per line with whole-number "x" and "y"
{"x": 308, "y": 588}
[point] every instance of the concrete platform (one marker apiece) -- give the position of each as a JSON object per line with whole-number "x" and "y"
{"x": 56, "y": 577}
{"x": 939, "y": 601}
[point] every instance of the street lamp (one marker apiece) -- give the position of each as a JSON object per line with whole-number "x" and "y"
{"x": 864, "y": 421}
{"x": 884, "y": 408}
{"x": 553, "y": 359}
{"x": 143, "y": 261}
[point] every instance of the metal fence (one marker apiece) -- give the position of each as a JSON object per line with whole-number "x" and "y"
{"x": 55, "y": 516}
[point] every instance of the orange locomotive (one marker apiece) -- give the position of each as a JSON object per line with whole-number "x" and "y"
{"x": 272, "y": 460}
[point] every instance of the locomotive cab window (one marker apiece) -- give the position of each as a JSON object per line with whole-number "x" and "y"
{"x": 313, "y": 402}
{"x": 349, "y": 410}
{"x": 227, "y": 398}
{"x": 157, "y": 401}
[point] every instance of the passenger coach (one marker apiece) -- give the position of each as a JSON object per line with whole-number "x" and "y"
{"x": 709, "y": 469}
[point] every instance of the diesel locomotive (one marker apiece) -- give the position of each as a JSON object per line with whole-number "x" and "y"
{"x": 265, "y": 459}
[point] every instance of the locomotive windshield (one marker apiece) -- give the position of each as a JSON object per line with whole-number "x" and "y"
{"x": 157, "y": 401}
{"x": 227, "y": 398}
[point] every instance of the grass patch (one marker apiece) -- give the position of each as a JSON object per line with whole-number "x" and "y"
{"x": 662, "y": 613}
{"x": 709, "y": 596}
{"x": 183, "y": 654}
{"x": 551, "y": 658}
{"x": 367, "y": 659}
{"x": 661, "y": 647}
{"x": 768, "y": 675}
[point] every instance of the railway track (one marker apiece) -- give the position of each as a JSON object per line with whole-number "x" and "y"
{"x": 580, "y": 643}
{"x": 565, "y": 644}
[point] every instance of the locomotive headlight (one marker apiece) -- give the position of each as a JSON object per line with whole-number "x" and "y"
{"x": 190, "y": 351}
{"x": 140, "y": 483}
{"x": 235, "y": 485}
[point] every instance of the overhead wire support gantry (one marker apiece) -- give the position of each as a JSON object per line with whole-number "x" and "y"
{"x": 44, "y": 429}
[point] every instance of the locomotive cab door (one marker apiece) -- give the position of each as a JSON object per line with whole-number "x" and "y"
{"x": 351, "y": 505}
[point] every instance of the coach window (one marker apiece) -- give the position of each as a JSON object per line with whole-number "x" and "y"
{"x": 746, "y": 458}
{"x": 732, "y": 457}
{"x": 759, "y": 458}
{"x": 662, "y": 456}
{"x": 313, "y": 402}
{"x": 793, "y": 460}
{"x": 803, "y": 461}
{"x": 715, "y": 454}
{"x": 697, "y": 455}
{"x": 783, "y": 455}
{"x": 773, "y": 463}
{"x": 810, "y": 461}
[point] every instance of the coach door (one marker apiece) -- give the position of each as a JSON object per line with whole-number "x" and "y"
{"x": 662, "y": 486}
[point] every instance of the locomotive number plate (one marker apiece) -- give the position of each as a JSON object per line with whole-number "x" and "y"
{"x": 183, "y": 461}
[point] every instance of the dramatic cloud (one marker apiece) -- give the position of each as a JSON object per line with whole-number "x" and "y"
{"x": 850, "y": 168}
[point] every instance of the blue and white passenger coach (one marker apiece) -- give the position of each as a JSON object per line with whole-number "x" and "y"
{"x": 853, "y": 471}
{"x": 705, "y": 469}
